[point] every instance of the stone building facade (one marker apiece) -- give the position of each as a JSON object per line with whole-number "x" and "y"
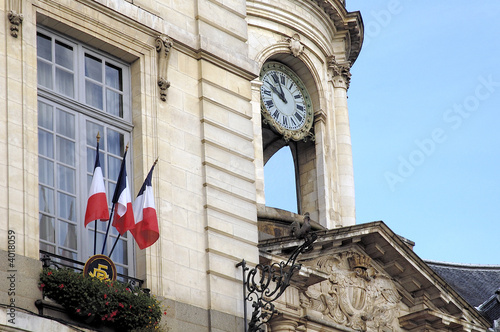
{"x": 181, "y": 81}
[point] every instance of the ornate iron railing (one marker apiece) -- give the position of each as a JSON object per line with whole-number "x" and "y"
{"x": 49, "y": 259}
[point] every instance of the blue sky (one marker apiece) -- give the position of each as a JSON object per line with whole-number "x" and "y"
{"x": 424, "y": 105}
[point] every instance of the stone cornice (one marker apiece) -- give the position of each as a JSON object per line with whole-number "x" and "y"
{"x": 345, "y": 21}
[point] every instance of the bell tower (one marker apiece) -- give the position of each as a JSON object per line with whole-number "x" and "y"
{"x": 305, "y": 51}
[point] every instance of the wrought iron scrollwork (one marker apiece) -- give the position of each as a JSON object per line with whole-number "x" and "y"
{"x": 266, "y": 283}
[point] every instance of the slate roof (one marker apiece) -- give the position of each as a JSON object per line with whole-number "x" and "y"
{"x": 477, "y": 284}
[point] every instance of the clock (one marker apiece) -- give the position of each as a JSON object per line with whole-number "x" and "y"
{"x": 285, "y": 102}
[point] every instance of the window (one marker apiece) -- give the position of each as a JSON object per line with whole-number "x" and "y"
{"x": 80, "y": 92}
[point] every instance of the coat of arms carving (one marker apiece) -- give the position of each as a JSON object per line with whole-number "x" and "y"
{"x": 355, "y": 295}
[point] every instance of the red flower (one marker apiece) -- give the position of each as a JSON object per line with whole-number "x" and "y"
{"x": 107, "y": 303}
{"x": 61, "y": 286}
{"x": 49, "y": 273}
{"x": 121, "y": 305}
{"x": 164, "y": 312}
{"x": 41, "y": 286}
{"x": 78, "y": 310}
{"x": 89, "y": 314}
{"x": 105, "y": 296}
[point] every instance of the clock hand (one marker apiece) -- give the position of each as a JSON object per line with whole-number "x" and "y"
{"x": 280, "y": 94}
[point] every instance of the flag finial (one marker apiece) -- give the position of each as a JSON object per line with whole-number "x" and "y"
{"x": 126, "y": 148}
{"x": 156, "y": 161}
{"x": 98, "y": 137}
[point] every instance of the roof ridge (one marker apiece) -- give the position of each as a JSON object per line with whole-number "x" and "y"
{"x": 463, "y": 265}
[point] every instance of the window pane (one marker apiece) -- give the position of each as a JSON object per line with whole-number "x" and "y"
{"x": 115, "y": 143}
{"x": 114, "y": 104}
{"x": 93, "y": 94}
{"x": 111, "y": 190}
{"x": 67, "y": 235}
{"x": 45, "y": 171}
{"x": 64, "y": 55}
{"x": 66, "y": 206}
{"x": 46, "y": 247}
{"x": 91, "y": 162}
{"x": 100, "y": 238}
{"x": 45, "y": 115}
{"x": 113, "y": 76}
{"x": 120, "y": 254}
{"x": 66, "y": 179}
{"x": 93, "y": 67}
{"x": 68, "y": 254}
{"x": 45, "y": 143}
{"x": 44, "y": 74}
{"x": 113, "y": 168}
{"x": 122, "y": 270}
{"x": 65, "y": 123}
{"x": 102, "y": 226}
{"x": 46, "y": 199}
{"x": 44, "y": 46}
{"x": 92, "y": 130}
{"x": 47, "y": 229}
{"x": 64, "y": 82}
{"x": 65, "y": 151}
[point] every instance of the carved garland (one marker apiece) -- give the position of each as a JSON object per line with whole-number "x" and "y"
{"x": 15, "y": 20}
{"x": 163, "y": 46}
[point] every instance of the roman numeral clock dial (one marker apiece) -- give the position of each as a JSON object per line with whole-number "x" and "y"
{"x": 285, "y": 102}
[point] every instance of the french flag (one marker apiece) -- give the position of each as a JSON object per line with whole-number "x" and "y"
{"x": 146, "y": 230}
{"x": 123, "y": 219}
{"x": 97, "y": 204}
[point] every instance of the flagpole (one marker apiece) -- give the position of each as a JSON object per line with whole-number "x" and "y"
{"x": 95, "y": 226}
{"x": 95, "y": 235}
{"x": 118, "y": 237}
{"x": 112, "y": 209}
{"x": 114, "y": 245}
{"x": 107, "y": 230}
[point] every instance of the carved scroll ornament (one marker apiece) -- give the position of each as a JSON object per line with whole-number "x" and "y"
{"x": 163, "y": 46}
{"x": 355, "y": 295}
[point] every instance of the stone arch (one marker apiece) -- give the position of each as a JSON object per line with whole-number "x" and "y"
{"x": 304, "y": 153}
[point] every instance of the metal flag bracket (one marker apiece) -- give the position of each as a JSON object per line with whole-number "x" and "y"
{"x": 264, "y": 284}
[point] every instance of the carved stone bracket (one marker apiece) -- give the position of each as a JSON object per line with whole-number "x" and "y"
{"x": 15, "y": 21}
{"x": 340, "y": 73}
{"x": 163, "y": 46}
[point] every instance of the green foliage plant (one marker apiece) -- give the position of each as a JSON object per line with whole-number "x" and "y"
{"x": 101, "y": 303}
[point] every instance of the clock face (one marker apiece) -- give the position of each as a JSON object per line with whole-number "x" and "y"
{"x": 285, "y": 101}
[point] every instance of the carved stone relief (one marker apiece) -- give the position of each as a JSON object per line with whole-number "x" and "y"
{"x": 15, "y": 20}
{"x": 340, "y": 73}
{"x": 296, "y": 46}
{"x": 163, "y": 46}
{"x": 355, "y": 295}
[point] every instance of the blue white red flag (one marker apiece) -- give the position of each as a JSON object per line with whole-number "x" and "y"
{"x": 97, "y": 204}
{"x": 146, "y": 230}
{"x": 123, "y": 219}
